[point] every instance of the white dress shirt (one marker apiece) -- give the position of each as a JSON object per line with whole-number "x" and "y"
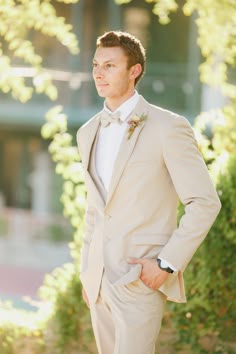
{"x": 109, "y": 141}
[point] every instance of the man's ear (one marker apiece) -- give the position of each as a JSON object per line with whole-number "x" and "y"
{"x": 135, "y": 71}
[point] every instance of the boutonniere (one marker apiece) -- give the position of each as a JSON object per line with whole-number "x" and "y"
{"x": 134, "y": 122}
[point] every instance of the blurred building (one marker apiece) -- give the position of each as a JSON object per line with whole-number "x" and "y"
{"x": 27, "y": 178}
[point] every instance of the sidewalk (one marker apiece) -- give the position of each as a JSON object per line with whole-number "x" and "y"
{"x": 20, "y": 281}
{"x": 23, "y": 266}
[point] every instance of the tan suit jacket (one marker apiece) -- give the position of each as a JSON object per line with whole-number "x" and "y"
{"x": 156, "y": 167}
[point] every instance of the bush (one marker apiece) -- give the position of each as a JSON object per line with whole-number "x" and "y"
{"x": 20, "y": 331}
{"x": 60, "y": 326}
{"x": 66, "y": 319}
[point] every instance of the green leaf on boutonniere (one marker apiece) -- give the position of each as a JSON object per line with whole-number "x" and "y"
{"x": 134, "y": 122}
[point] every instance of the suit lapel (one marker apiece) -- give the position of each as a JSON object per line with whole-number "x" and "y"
{"x": 126, "y": 148}
{"x": 87, "y": 143}
{"x": 88, "y": 140}
{"x": 95, "y": 194}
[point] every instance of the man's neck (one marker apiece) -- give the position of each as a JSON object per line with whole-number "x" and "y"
{"x": 113, "y": 103}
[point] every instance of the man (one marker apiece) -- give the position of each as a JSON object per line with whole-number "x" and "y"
{"x": 138, "y": 160}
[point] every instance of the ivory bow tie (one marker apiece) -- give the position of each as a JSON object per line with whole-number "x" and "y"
{"x": 107, "y": 118}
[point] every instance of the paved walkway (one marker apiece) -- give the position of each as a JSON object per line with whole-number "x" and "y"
{"x": 20, "y": 281}
{"x": 23, "y": 266}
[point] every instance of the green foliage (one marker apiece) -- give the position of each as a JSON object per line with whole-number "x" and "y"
{"x": 216, "y": 22}
{"x": 161, "y": 8}
{"x": 20, "y": 330}
{"x": 3, "y": 226}
{"x": 69, "y": 166}
{"x": 216, "y": 38}
{"x": 62, "y": 288}
{"x": 19, "y": 18}
{"x": 61, "y": 324}
{"x": 221, "y": 141}
{"x": 66, "y": 318}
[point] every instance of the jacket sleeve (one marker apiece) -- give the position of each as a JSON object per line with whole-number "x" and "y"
{"x": 195, "y": 189}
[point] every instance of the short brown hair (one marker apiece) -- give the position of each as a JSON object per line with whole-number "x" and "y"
{"x": 131, "y": 45}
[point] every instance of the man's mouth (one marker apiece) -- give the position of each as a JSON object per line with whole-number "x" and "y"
{"x": 101, "y": 84}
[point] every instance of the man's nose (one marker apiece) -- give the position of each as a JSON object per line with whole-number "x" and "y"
{"x": 98, "y": 72}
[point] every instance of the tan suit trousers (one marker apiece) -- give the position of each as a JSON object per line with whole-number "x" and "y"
{"x": 127, "y": 319}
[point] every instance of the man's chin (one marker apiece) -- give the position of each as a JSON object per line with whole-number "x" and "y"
{"x": 102, "y": 94}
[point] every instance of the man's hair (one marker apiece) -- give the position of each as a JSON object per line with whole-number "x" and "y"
{"x": 131, "y": 46}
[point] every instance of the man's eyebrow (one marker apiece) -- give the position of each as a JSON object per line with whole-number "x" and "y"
{"x": 106, "y": 61}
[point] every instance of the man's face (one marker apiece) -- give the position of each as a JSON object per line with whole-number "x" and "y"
{"x": 112, "y": 78}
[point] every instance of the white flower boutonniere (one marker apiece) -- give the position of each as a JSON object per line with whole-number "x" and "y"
{"x": 134, "y": 122}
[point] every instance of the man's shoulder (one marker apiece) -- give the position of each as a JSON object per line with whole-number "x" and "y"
{"x": 161, "y": 119}
{"x": 157, "y": 111}
{"x": 87, "y": 125}
{"x": 159, "y": 115}
{"x": 162, "y": 113}
{"x": 90, "y": 122}
{"x": 84, "y": 131}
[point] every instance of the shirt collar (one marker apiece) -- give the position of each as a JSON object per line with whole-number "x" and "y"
{"x": 125, "y": 108}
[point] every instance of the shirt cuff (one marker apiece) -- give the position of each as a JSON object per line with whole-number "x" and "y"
{"x": 169, "y": 265}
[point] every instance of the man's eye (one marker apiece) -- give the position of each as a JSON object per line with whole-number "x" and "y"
{"x": 108, "y": 66}
{"x": 95, "y": 65}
